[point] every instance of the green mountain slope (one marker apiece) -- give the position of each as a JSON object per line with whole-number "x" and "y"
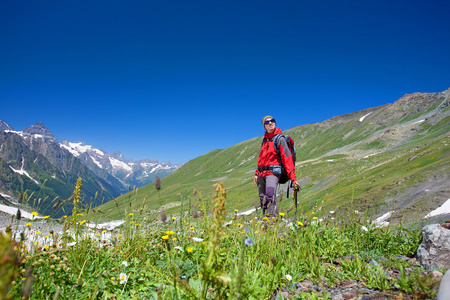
{"x": 391, "y": 156}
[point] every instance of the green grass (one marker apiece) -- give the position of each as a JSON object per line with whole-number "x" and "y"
{"x": 201, "y": 258}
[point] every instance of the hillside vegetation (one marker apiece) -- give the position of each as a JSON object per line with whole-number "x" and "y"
{"x": 391, "y": 157}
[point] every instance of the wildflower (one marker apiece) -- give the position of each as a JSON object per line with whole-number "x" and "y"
{"x": 331, "y": 211}
{"x": 248, "y": 242}
{"x": 71, "y": 244}
{"x": 125, "y": 264}
{"x": 288, "y": 277}
{"x": 364, "y": 228}
{"x": 196, "y": 239}
{"x": 178, "y": 248}
{"x": 266, "y": 219}
{"x": 189, "y": 249}
{"x": 312, "y": 212}
{"x": 80, "y": 215}
{"x": 173, "y": 218}
{"x": 103, "y": 231}
{"x": 82, "y": 222}
{"x": 256, "y": 231}
{"x": 170, "y": 232}
{"x": 183, "y": 277}
{"x": 123, "y": 278}
{"x": 46, "y": 236}
{"x": 282, "y": 214}
{"x": 46, "y": 217}
{"x": 98, "y": 234}
{"x": 137, "y": 224}
{"x": 299, "y": 223}
{"x": 192, "y": 228}
{"x": 130, "y": 214}
{"x": 314, "y": 218}
{"x": 165, "y": 237}
{"x": 28, "y": 224}
{"x": 235, "y": 210}
{"x": 37, "y": 232}
{"x": 34, "y": 213}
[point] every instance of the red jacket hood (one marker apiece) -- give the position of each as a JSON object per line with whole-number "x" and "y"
{"x": 271, "y": 135}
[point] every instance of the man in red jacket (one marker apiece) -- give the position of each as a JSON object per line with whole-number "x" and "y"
{"x": 269, "y": 168}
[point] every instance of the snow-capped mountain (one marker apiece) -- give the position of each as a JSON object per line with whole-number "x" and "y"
{"x": 129, "y": 172}
{"x": 33, "y": 160}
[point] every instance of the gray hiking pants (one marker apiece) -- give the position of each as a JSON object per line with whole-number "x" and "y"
{"x": 267, "y": 187}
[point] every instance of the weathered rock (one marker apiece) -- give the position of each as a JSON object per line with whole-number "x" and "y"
{"x": 434, "y": 252}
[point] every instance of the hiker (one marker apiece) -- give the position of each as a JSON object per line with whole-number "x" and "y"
{"x": 269, "y": 170}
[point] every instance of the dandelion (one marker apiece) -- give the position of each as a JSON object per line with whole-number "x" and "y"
{"x": 312, "y": 212}
{"x": 104, "y": 231}
{"x": 165, "y": 237}
{"x": 125, "y": 264}
{"x": 248, "y": 242}
{"x": 288, "y": 277}
{"x": 34, "y": 213}
{"x": 235, "y": 210}
{"x": 130, "y": 214}
{"x": 123, "y": 278}
{"x": 173, "y": 218}
{"x": 314, "y": 218}
{"x": 189, "y": 249}
{"x": 82, "y": 222}
{"x": 266, "y": 219}
{"x": 28, "y": 224}
{"x": 170, "y": 232}
{"x": 37, "y": 232}
{"x": 46, "y": 217}
{"x": 196, "y": 239}
{"x": 299, "y": 223}
{"x": 192, "y": 228}
{"x": 98, "y": 234}
{"x": 282, "y": 214}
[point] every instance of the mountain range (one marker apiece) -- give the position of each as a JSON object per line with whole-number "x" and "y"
{"x": 393, "y": 159}
{"x": 35, "y": 165}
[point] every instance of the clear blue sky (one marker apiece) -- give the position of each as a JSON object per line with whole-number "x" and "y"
{"x": 172, "y": 80}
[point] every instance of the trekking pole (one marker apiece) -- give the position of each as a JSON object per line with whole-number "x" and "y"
{"x": 296, "y": 188}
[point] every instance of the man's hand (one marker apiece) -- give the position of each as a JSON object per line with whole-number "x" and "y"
{"x": 255, "y": 179}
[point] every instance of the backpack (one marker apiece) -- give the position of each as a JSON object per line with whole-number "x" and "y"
{"x": 290, "y": 142}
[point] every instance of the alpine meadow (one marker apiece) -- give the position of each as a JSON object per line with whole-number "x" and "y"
{"x": 368, "y": 181}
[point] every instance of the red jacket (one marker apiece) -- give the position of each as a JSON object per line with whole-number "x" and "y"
{"x": 269, "y": 156}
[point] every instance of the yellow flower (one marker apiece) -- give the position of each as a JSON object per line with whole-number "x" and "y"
{"x": 235, "y": 210}
{"x": 170, "y": 232}
{"x": 137, "y": 224}
{"x": 266, "y": 219}
{"x": 65, "y": 217}
{"x": 256, "y": 231}
{"x": 80, "y": 215}
{"x": 299, "y": 223}
{"x": 98, "y": 234}
{"x": 314, "y": 218}
{"x": 37, "y": 232}
{"x": 46, "y": 236}
{"x": 312, "y": 212}
{"x": 34, "y": 213}
{"x": 192, "y": 228}
{"x": 189, "y": 249}
{"x": 46, "y": 217}
{"x": 174, "y": 239}
{"x": 35, "y": 243}
{"x": 104, "y": 231}
{"x": 165, "y": 237}
{"x": 173, "y": 218}
{"x": 130, "y": 214}
{"x": 28, "y": 224}
{"x": 281, "y": 214}
{"x": 82, "y": 222}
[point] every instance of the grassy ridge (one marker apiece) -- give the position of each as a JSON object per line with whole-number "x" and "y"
{"x": 389, "y": 154}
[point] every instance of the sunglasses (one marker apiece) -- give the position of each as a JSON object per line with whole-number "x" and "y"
{"x": 269, "y": 121}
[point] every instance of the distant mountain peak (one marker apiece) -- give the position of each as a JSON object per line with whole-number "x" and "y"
{"x": 4, "y": 126}
{"x": 39, "y": 130}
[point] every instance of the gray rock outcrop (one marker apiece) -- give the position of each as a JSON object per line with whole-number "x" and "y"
{"x": 434, "y": 252}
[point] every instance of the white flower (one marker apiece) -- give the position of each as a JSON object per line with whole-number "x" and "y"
{"x": 288, "y": 277}
{"x": 123, "y": 278}
{"x": 364, "y": 228}
{"x": 125, "y": 264}
{"x": 331, "y": 211}
{"x": 178, "y": 248}
{"x": 71, "y": 244}
{"x": 196, "y": 239}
